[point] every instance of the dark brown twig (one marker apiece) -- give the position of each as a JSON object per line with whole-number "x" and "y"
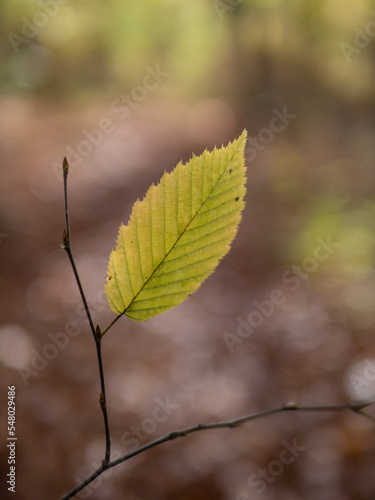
{"x": 95, "y": 331}
{"x": 356, "y": 407}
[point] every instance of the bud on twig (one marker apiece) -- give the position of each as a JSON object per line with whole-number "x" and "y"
{"x": 65, "y": 239}
{"x": 65, "y": 166}
{"x": 98, "y": 332}
{"x": 101, "y": 400}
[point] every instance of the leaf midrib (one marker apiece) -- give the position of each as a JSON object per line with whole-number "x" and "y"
{"x": 175, "y": 243}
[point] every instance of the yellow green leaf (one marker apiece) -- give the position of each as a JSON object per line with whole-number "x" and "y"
{"x": 178, "y": 233}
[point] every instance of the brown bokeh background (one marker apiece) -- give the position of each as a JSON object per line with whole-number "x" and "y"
{"x": 216, "y": 67}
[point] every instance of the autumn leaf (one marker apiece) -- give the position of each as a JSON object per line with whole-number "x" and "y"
{"x": 178, "y": 233}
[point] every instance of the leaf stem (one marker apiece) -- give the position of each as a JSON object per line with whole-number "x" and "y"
{"x": 112, "y": 323}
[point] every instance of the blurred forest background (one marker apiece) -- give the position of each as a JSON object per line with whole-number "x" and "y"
{"x": 126, "y": 90}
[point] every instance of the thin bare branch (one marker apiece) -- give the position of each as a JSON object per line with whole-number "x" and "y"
{"x": 95, "y": 331}
{"x": 67, "y": 246}
{"x": 355, "y": 406}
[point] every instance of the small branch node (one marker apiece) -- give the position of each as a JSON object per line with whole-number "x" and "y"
{"x": 291, "y": 405}
{"x": 65, "y": 238}
{"x": 102, "y": 400}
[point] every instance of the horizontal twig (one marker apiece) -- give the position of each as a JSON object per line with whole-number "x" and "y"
{"x": 357, "y": 407}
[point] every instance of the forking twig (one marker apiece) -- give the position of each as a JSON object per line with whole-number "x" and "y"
{"x": 106, "y": 464}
